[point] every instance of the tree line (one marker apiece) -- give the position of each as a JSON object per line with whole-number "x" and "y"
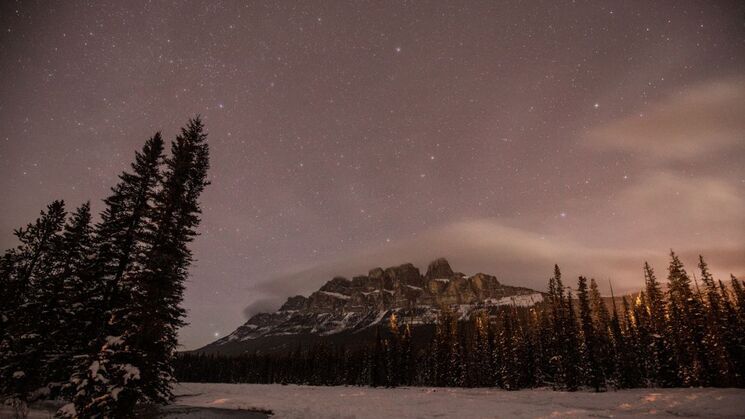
{"x": 684, "y": 334}
{"x": 89, "y": 311}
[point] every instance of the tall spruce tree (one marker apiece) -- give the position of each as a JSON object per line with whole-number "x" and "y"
{"x": 393, "y": 358}
{"x": 482, "y": 364}
{"x": 686, "y": 325}
{"x": 663, "y": 371}
{"x": 157, "y": 310}
{"x": 643, "y": 339}
{"x": 68, "y": 327}
{"x": 621, "y": 348}
{"x": 557, "y": 334}
{"x": 601, "y": 322}
{"x": 105, "y": 383}
{"x": 82, "y": 289}
{"x": 634, "y": 351}
{"x": 718, "y": 357}
{"x": 571, "y": 349}
{"x": 29, "y": 277}
{"x": 591, "y": 345}
{"x": 734, "y": 336}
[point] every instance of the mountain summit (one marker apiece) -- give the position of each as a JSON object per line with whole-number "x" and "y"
{"x": 342, "y": 307}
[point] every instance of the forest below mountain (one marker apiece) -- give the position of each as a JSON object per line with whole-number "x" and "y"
{"x": 679, "y": 335}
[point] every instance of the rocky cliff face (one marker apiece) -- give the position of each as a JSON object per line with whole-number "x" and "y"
{"x": 348, "y": 306}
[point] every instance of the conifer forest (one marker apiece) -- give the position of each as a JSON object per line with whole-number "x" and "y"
{"x": 89, "y": 311}
{"x": 678, "y": 334}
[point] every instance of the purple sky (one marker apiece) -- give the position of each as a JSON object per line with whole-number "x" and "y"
{"x": 348, "y": 135}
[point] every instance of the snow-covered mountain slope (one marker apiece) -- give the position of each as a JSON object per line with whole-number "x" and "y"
{"x": 346, "y": 307}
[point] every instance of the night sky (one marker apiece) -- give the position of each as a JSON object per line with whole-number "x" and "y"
{"x": 348, "y": 135}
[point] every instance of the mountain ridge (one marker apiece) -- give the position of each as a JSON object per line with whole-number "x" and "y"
{"x": 344, "y": 307}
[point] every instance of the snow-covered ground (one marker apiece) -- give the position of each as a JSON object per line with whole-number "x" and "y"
{"x": 297, "y": 402}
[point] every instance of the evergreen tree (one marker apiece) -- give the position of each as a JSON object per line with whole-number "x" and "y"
{"x": 734, "y": 336}
{"x": 591, "y": 345}
{"x": 621, "y": 349}
{"x": 378, "y": 373}
{"x": 557, "y": 333}
{"x": 663, "y": 371}
{"x": 572, "y": 356}
{"x": 407, "y": 365}
{"x": 105, "y": 382}
{"x": 643, "y": 339}
{"x": 601, "y": 322}
{"x": 686, "y": 326}
{"x": 157, "y": 310}
{"x": 64, "y": 301}
{"x": 482, "y": 365}
{"x": 634, "y": 353}
{"x": 504, "y": 354}
{"x": 393, "y": 357}
{"x": 29, "y": 273}
{"x": 445, "y": 350}
{"x": 718, "y": 358}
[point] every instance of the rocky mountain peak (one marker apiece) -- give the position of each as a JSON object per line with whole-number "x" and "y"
{"x": 337, "y": 284}
{"x": 439, "y": 268}
{"x": 295, "y": 303}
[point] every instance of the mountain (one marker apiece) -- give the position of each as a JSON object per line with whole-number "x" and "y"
{"x": 345, "y": 311}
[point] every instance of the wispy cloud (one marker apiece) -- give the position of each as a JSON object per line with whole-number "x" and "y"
{"x": 696, "y": 122}
{"x": 517, "y": 256}
{"x": 662, "y": 206}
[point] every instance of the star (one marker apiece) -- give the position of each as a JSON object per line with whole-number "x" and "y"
{"x": 508, "y": 132}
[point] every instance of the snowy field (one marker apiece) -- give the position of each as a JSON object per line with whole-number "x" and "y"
{"x": 296, "y": 402}
{"x": 210, "y": 401}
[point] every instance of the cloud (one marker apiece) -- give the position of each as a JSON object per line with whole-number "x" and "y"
{"x": 659, "y": 208}
{"x": 516, "y": 256}
{"x": 667, "y": 206}
{"x": 699, "y": 121}
{"x": 262, "y": 305}
{"x": 693, "y": 216}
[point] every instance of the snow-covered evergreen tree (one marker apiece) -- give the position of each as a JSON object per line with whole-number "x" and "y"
{"x": 591, "y": 344}
{"x": 718, "y": 363}
{"x": 686, "y": 324}
{"x": 27, "y": 283}
{"x": 67, "y": 326}
{"x": 105, "y": 382}
{"x": 157, "y": 311}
